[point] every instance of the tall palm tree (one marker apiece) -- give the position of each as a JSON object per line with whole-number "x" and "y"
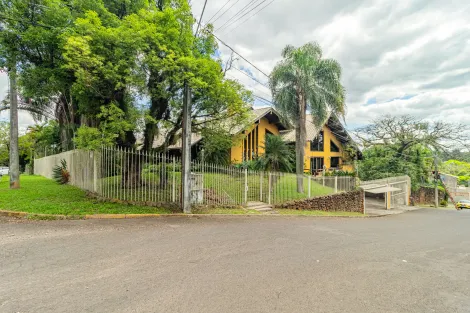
{"x": 304, "y": 81}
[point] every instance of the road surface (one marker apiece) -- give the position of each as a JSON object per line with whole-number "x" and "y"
{"x": 413, "y": 262}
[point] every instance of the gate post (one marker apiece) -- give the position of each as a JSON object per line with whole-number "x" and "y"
{"x": 336, "y": 184}
{"x": 95, "y": 171}
{"x": 269, "y": 188}
{"x": 261, "y": 186}
{"x": 246, "y": 186}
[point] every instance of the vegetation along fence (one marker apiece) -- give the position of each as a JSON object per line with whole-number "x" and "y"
{"x": 155, "y": 179}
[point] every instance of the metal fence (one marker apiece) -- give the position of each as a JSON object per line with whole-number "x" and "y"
{"x": 155, "y": 179}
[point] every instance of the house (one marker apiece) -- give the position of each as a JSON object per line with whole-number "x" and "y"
{"x": 325, "y": 148}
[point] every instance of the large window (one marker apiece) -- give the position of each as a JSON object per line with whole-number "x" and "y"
{"x": 316, "y": 165}
{"x": 317, "y": 144}
{"x": 334, "y": 163}
{"x": 333, "y": 147}
{"x": 250, "y": 145}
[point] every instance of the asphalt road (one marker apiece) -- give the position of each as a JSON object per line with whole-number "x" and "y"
{"x": 414, "y": 262}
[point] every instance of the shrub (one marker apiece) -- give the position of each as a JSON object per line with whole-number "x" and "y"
{"x": 340, "y": 173}
{"x": 443, "y": 203}
{"x": 60, "y": 173}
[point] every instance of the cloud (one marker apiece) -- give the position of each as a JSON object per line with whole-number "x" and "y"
{"x": 400, "y": 56}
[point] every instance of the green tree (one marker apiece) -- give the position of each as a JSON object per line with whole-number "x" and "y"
{"x": 4, "y": 143}
{"x": 382, "y": 162}
{"x": 277, "y": 156}
{"x": 303, "y": 81}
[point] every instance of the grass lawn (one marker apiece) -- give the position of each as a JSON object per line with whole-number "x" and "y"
{"x": 44, "y": 196}
{"x": 316, "y": 213}
{"x": 220, "y": 188}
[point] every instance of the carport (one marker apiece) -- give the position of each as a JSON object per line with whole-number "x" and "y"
{"x": 387, "y": 193}
{"x": 382, "y": 189}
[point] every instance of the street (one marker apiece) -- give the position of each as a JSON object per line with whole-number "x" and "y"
{"x": 413, "y": 262}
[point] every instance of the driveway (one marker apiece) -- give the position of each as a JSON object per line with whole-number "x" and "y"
{"x": 413, "y": 262}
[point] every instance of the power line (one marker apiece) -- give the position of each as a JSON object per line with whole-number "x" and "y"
{"x": 252, "y": 15}
{"x": 241, "y": 56}
{"x": 218, "y": 11}
{"x": 225, "y": 12}
{"x": 245, "y": 14}
{"x": 238, "y": 13}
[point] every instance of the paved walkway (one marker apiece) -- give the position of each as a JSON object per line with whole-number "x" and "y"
{"x": 376, "y": 207}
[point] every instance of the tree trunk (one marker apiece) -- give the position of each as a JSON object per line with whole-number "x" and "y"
{"x": 300, "y": 139}
{"x": 14, "y": 152}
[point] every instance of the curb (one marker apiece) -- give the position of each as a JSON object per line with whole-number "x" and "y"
{"x": 137, "y": 216}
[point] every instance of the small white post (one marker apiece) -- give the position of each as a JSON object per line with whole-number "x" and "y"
{"x": 261, "y": 186}
{"x": 246, "y": 186}
{"x": 309, "y": 186}
{"x": 269, "y": 188}
{"x": 173, "y": 195}
{"x": 336, "y": 184}
{"x": 95, "y": 171}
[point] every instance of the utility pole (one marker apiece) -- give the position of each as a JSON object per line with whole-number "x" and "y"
{"x": 186, "y": 150}
{"x": 186, "y": 140}
{"x": 14, "y": 169}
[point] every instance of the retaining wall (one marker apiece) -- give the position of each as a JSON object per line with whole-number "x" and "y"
{"x": 352, "y": 201}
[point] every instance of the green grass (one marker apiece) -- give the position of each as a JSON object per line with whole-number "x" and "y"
{"x": 44, "y": 196}
{"x": 221, "y": 189}
{"x": 316, "y": 213}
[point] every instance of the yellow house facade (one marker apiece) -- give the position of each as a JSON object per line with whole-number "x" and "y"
{"x": 325, "y": 148}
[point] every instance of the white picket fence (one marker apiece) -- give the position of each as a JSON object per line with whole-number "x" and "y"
{"x": 155, "y": 179}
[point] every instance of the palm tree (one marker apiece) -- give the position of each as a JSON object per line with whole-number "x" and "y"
{"x": 277, "y": 156}
{"x": 304, "y": 81}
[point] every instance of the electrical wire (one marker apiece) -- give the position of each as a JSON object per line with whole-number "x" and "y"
{"x": 225, "y": 12}
{"x": 238, "y": 13}
{"x": 235, "y": 21}
{"x": 218, "y": 11}
{"x": 250, "y": 16}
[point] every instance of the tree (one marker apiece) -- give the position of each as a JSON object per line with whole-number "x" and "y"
{"x": 405, "y": 131}
{"x": 4, "y": 143}
{"x": 277, "y": 156}
{"x": 303, "y": 81}
{"x": 405, "y": 145}
{"x": 382, "y": 162}
{"x": 457, "y": 168}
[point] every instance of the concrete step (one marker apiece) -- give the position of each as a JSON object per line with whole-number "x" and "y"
{"x": 265, "y": 209}
{"x": 261, "y": 206}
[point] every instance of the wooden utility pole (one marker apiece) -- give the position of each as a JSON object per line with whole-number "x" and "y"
{"x": 14, "y": 169}
{"x": 186, "y": 151}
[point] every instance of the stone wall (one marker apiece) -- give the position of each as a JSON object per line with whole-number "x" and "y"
{"x": 352, "y": 201}
{"x": 425, "y": 195}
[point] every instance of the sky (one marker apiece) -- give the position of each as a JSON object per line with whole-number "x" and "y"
{"x": 398, "y": 57}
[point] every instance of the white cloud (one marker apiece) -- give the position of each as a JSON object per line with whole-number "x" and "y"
{"x": 414, "y": 51}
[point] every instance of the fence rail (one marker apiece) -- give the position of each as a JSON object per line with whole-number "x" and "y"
{"x": 155, "y": 179}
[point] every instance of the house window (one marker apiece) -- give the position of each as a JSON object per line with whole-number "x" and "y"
{"x": 317, "y": 144}
{"x": 316, "y": 165}
{"x": 250, "y": 145}
{"x": 335, "y": 162}
{"x": 333, "y": 147}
